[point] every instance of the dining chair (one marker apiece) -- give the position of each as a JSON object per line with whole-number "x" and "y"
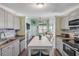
{"x": 35, "y": 52}
{"x": 45, "y": 52}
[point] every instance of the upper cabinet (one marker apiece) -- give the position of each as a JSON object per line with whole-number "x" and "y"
{"x": 1, "y": 18}
{"x": 6, "y": 19}
{"x": 9, "y": 20}
{"x": 16, "y": 22}
{"x": 65, "y": 23}
{"x": 71, "y": 16}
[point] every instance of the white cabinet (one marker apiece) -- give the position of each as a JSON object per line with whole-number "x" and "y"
{"x": 74, "y": 15}
{"x": 15, "y": 49}
{"x": 11, "y": 50}
{"x": 59, "y": 45}
{"x": 7, "y": 51}
{"x": 16, "y": 22}
{"x": 22, "y": 45}
{"x": 6, "y": 19}
{"x": 65, "y": 23}
{"x": 10, "y": 20}
{"x": 1, "y": 18}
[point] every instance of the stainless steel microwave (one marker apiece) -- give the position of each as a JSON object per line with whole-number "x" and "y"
{"x": 74, "y": 22}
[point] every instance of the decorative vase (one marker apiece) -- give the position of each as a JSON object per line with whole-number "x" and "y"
{"x": 39, "y": 37}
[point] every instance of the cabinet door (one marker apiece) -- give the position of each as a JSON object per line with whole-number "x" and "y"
{"x": 6, "y": 19}
{"x": 60, "y": 45}
{"x": 10, "y": 20}
{"x": 1, "y": 18}
{"x": 7, "y": 51}
{"x": 16, "y": 22}
{"x": 15, "y": 49}
{"x": 65, "y": 23}
{"x": 22, "y": 45}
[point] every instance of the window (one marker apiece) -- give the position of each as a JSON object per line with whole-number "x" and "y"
{"x": 42, "y": 28}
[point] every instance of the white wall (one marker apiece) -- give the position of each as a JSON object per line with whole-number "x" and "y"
{"x": 52, "y": 22}
{"x": 28, "y": 32}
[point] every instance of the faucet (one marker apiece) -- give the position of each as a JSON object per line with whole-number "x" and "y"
{"x": 1, "y": 34}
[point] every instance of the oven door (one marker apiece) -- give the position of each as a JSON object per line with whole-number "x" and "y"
{"x": 69, "y": 51}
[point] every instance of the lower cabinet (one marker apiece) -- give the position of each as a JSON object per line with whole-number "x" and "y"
{"x": 11, "y": 50}
{"x": 22, "y": 45}
{"x": 15, "y": 49}
{"x": 7, "y": 51}
{"x": 59, "y": 45}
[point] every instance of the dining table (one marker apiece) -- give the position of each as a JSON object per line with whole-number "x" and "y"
{"x": 42, "y": 43}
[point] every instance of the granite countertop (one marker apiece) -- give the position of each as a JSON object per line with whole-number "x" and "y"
{"x": 10, "y": 40}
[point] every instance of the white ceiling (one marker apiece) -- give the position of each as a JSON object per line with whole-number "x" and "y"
{"x": 31, "y": 10}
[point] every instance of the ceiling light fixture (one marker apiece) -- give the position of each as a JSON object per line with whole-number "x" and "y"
{"x": 40, "y": 5}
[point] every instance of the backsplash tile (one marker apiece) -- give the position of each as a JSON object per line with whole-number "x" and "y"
{"x": 8, "y": 33}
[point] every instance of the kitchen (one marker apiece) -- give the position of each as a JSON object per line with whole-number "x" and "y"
{"x": 39, "y": 29}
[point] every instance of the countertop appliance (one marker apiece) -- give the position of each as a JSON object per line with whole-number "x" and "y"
{"x": 74, "y": 24}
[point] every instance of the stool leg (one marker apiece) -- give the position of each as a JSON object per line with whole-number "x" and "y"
{"x": 40, "y": 52}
